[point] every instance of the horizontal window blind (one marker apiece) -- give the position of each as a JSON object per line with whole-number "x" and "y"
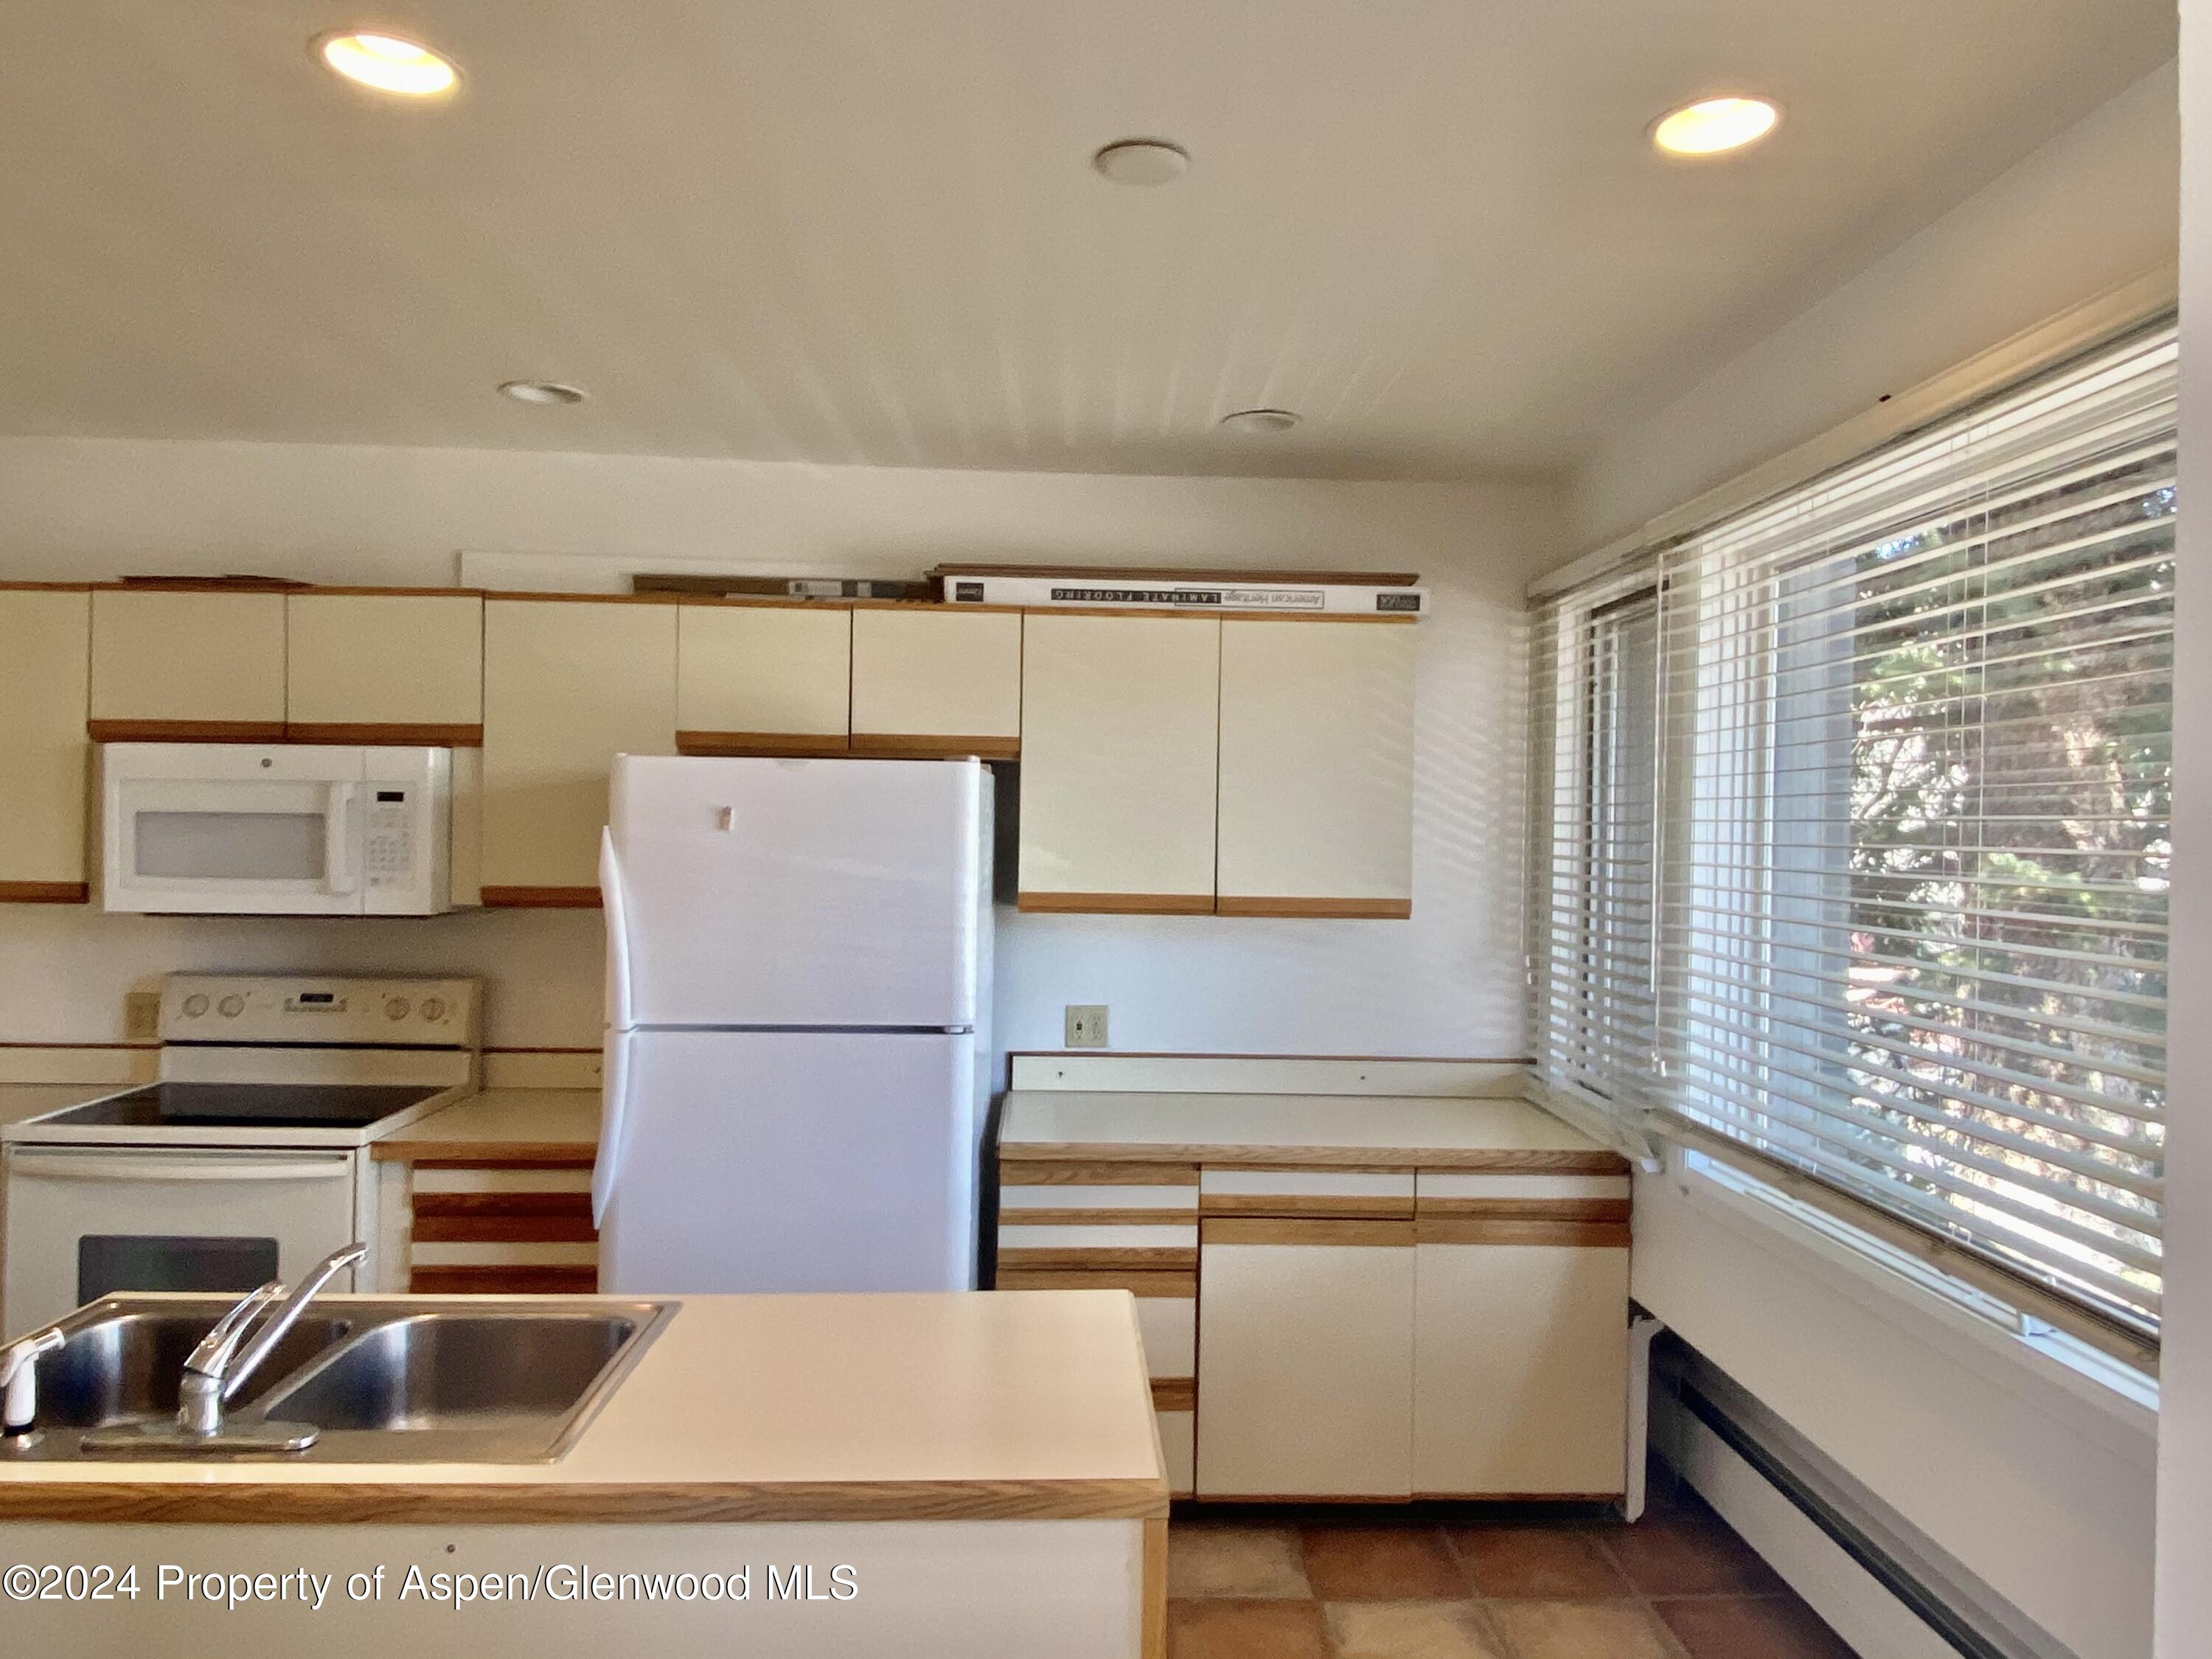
{"x": 1898, "y": 866}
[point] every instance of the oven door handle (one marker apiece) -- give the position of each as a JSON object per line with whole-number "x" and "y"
{"x": 63, "y": 1167}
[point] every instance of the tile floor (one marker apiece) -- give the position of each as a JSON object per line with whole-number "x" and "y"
{"x": 1336, "y": 1584}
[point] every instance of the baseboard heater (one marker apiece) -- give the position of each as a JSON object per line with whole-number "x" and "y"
{"x": 1902, "y": 1595}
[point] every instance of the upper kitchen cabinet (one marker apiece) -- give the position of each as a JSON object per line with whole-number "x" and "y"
{"x": 1317, "y": 786}
{"x": 179, "y": 666}
{"x": 568, "y": 684}
{"x": 392, "y": 668}
{"x": 756, "y": 678}
{"x": 45, "y": 648}
{"x": 1118, "y": 753}
{"x": 937, "y": 680}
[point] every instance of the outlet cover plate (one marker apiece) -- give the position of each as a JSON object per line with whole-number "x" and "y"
{"x": 1086, "y": 1025}
{"x": 141, "y": 1014}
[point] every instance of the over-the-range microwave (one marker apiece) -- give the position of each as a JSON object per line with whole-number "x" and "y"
{"x": 305, "y": 829}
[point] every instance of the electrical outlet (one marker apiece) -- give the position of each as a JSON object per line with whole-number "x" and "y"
{"x": 141, "y": 1014}
{"x": 1086, "y": 1025}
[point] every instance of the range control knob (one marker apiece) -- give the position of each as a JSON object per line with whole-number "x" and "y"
{"x": 434, "y": 1009}
{"x": 231, "y": 1007}
{"x": 395, "y": 1007}
{"x": 196, "y": 1005}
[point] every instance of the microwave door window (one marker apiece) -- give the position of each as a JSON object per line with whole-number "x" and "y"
{"x": 232, "y": 846}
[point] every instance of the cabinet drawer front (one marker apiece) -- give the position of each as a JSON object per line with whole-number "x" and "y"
{"x": 1102, "y": 1247}
{"x": 1531, "y": 1197}
{"x": 1012, "y": 1173}
{"x": 1306, "y": 1192}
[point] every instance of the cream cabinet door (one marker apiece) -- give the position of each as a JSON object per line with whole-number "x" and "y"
{"x": 937, "y": 680}
{"x": 1521, "y": 1367}
{"x": 764, "y": 679}
{"x": 188, "y": 666}
{"x": 1118, "y": 720}
{"x": 1316, "y": 768}
{"x": 404, "y": 668}
{"x": 568, "y": 684}
{"x": 46, "y": 651}
{"x": 1305, "y": 1358}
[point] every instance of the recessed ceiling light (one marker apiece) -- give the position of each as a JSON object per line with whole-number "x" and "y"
{"x": 387, "y": 62}
{"x": 1261, "y": 420}
{"x": 542, "y": 392}
{"x": 1714, "y": 124}
{"x": 1142, "y": 161}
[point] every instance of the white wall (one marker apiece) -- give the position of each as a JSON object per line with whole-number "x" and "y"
{"x": 2091, "y": 209}
{"x": 2184, "y": 1500}
{"x": 1447, "y": 983}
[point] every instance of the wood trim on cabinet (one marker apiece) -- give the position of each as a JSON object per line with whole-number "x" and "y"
{"x": 765, "y": 601}
{"x": 45, "y": 892}
{"x": 1117, "y": 904}
{"x": 1525, "y": 1209}
{"x": 1584, "y": 1234}
{"x": 412, "y": 736}
{"x": 1153, "y": 1591}
{"x": 519, "y": 1280}
{"x": 1388, "y": 1205}
{"x": 540, "y": 898}
{"x": 480, "y": 1229}
{"x": 1104, "y": 1257}
{"x": 1347, "y": 909}
{"x": 1175, "y": 1394}
{"x": 786, "y": 745}
{"x": 532, "y": 596}
{"x": 1024, "y": 1217}
{"x": 487, "y": 1154}
{"x": 1098, "y": 1174}
{"x": 1169, "y": 573}
{"x": 115, "y": 730}
{"x": 1546, "y": 1160}
{"x": 892, "y": 745}
{"x": 1170, "y": 1286}
{"x": 1394, "y": 1234}
{"x": 1509, "y": 1498}
{"x": 540, "y": 1204}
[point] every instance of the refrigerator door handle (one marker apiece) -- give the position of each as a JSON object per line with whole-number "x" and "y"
{"x": 616, "y": 904}
{"x": 614, "y": 1104}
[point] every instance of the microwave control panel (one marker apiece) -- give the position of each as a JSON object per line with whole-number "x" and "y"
{"x": 390, "y": 853}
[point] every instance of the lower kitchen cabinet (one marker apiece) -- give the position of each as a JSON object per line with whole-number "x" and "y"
{"x": 487, "y": 1228}
{"x": 1520, "y": 1361}
{"x": 1305, "y": 1358}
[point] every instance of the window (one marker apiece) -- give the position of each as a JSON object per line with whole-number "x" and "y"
{"x": 1912, "y": 863}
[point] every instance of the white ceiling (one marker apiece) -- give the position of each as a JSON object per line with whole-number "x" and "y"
{"x": 836, "y": 231}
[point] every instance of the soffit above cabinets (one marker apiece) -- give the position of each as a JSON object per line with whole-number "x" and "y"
{"x": 871, "y": 232}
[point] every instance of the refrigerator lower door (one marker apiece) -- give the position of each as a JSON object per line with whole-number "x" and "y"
{"x": 791, "y": 1161}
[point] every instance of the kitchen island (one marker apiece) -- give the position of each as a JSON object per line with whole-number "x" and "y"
{"x": 966, "y": 1473}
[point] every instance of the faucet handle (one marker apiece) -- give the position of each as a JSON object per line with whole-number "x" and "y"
{"x": 18, "y": 1378}
{"x": 212, "y": 1357}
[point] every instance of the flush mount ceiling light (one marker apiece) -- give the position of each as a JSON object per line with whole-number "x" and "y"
{"x": 386, "y": 61}
{"x": 1142, "y": 161}
{"x": 541, "y": 391}
{"x": 1261, "y": 420}
{"x": 1713, "y": 125}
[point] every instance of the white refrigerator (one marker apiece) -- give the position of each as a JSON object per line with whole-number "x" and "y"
{"x": 796, "y": 1064}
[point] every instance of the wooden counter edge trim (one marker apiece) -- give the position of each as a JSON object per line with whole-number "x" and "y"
{"x": 486, "y": 1154}
{"x": 1103, "y": 1257}
{"x": 539, "y": 898}
{"x": 897, "y": 745}
{"x": 783, "y": 745}
{"x": 315, "y": 1502}
{"x": 1117, "y": 904}
{"x": 1279, "y": 1230}
{"x": 45, "y": 892}
{"x": 1344, "y": 909}
{"x": 1581, "y": 1235}
{"x": 415, "y": 735}
{"x": 1112, "y": 1174}
{"x": 115, "y": 730}
{"x": 1541, "y": 1159}
{"x": 1153, "y": 1591}
{"x": 1175, "y": 1394}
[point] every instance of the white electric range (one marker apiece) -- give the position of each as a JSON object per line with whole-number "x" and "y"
{"x": 248, "y": 1160}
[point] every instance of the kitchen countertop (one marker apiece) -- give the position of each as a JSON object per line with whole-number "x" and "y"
{"x": 537, "y": 1126}
{"x": 19, "y": 1100}
{"x": 1387, "y": 1130}
{"x": 856, "y": 1407}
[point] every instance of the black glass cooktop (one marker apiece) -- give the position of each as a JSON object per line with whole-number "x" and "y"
{"x": 248, "y": 1106}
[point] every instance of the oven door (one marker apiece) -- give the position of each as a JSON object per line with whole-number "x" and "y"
{"x": 84, "y": 1221}
{"x": 282, "y": 847}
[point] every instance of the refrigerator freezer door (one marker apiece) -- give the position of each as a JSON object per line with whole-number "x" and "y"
{"x": 793, "y": 1161}
{"x": 834, "y": 893}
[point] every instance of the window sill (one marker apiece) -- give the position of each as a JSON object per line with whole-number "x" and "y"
{"x": 1974, "y": 1327}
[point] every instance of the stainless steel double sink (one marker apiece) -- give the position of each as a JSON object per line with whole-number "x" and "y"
{"x": 474, "y": 1380}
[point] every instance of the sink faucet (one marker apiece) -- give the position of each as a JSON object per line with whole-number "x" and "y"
{"x": 217, "y": 1369}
